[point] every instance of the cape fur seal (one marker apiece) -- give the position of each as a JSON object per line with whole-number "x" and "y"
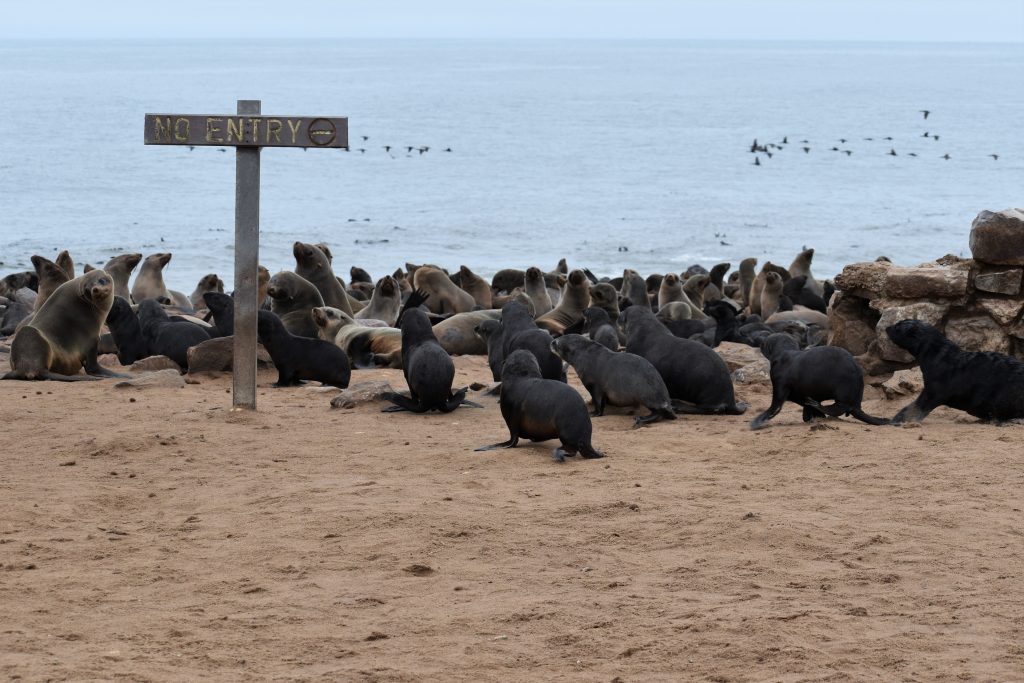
{"x": 385, "y": 303}
{"x": 445, "y": 295}
{"x": 987, "y": 385}
{"x": 207, "y": 283}
{"x": 428, "y": 369}
{"x": 539, "y": 409}
{"x": 293, "y": 298}
{"x": 475, "y": 286}
{"x": 64, "y": 333}
{"x": 457, "y": 334}
{"x": 537, "y": 290}
{"x": 822, "y": 373}
{"x": 519, "y": 331}
{"x": 802, "y": 266}
{"x": 313, "y": 265}
{"x": 149, "y": 283}
{"x": 616, "y": 379}
{"x": 574, "y": 300}
{"x": 366, "y": 347}
{"x": 598, "y": 324}
{"x": 120, "y": 268}
{"x": 50, "y": 276}
{"x": 126, "y": 332}
{"x": 300, "y": 358}
{"x": 167, "y": 337}
{"x": 66, "y": 263}
{"x": 693, "y": 373}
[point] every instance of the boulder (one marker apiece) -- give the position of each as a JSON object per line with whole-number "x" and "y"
{"x": 977, "y": 333}
{"x": 753, "y": 373}
{"x": 927, "y": 281}
{"x": 999, "y": 281}
{"x": 217, "y": 354}
{"x": 998, "y": 237}
{"x": 903, "y": 383}
{"x": 1003, "y": 311}
{"x": 361, "y": 392}
{"x": 865, "y": 280}
{"x": 738, "y": 355}
{"x": 154, "y": 363}
{"x": 895, "y": 311}
{"x": 169, "y": 379}
{"x": 851, "y": 323}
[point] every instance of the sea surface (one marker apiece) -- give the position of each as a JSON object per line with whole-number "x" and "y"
{"x": 609, "y": 154}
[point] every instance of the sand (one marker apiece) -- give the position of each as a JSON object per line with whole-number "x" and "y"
{"x": 154, "y": 535}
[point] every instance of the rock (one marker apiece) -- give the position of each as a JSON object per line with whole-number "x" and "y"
{"x": 170, "y": 379}
{"x": 753, "y": 373}
{"x": 737, "y": 356}
{"x": 1003, "y": 311}
{"x": 154, "y": 363}
{"x": 998, "y": 237}
{"x": 1000, "y": 281}
{"x": 927, "y": 281}
{"x": 903, "y": 383}
{"x": 866, "y": 280}
{"x": 361, "y": 392}
{"x": 217, "y": 354}
{"x": 895, "y": 311}
{"x": 977, "y": 333}
{"x": 851, "y": 323}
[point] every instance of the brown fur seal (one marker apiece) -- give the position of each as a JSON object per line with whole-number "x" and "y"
{"x": 747, "y": 276}
{"x": 802, "y": 266}
{"x": 475, "y": 286}
{"x": 575, "y": 299}
{"x": 634, "y": 288}
{"x": 64, "y": 333}
{"x": 208, "y": 283}
{"x": 262, "y": 283}
{"x": 66, "y": 263}
{"x": 715, "y": 289}
{"x": 671, "y": 291}
{"x": 366, "y": 347}
{"x": 385, "y": 303}
{"x": 537, "y": 290}
{"x": 312, "y": 264}
{"x": 51, "y": 276}
{"x": 120, "y": 269}
{"x": 149, "y": 283}
{"x": 357, "y": 274}
{"x": 770, "y": 293}
{"x": 694, "y": 288}
{"x": 458, "y": 336}
{"x": 804, "y": 315}
{"x": 603, "y": 295}
{"x": 507, "y": 279}
{"x": 754, "y": 302}
{"x": 445, "y": 296}
{"x": 293, "y": 299}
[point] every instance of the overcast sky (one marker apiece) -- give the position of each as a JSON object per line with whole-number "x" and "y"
{"x": 915, "y": 20}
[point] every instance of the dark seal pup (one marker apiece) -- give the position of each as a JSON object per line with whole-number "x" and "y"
{"x": 987, "y": 385}
{"x": 167, "y": 337}
{"x": 126, "y": 331}
{"x": 64, "y": 333}
{"x": 301, "y": 358}
{"x": 811, "y": 376}
{"x": 693, "y": 373}
{"x": 539, "y": 409}
{"x": 428, "y": 369}
{"x": 616, "y": 379}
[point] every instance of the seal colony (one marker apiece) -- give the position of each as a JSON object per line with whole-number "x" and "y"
{"x": 635, "y": 341}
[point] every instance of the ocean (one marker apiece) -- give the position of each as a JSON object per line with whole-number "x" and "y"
{"x": 610, "y": 154}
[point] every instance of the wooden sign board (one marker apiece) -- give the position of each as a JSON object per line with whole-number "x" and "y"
{"x": 247, "y": 131}
{"x": 233, "y": 130}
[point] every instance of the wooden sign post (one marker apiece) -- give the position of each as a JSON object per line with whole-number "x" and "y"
{"x": 247, "y": 131}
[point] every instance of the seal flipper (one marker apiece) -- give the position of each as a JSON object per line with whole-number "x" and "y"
{"x": 401, "y": 403}
{"x": 511, "y": 443}
{"x": 868, "y": 419}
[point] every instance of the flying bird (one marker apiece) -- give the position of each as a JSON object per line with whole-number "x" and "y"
{"x": 807, "y": 150}
{"x": 847, "y": 152}
{"x": 924, "y": 134}
{"x": 892, "y": 152}
{"x": 757, "y": 161}
{"x": 925, "y": 112}
{"x": 945, "y": 156}
{"x": 935, "y": 137}
{"x": 994, "y": 156}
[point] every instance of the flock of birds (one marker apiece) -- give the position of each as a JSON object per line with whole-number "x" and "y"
{"x": 768, "y": 150}
{"x": 409, "y": 149}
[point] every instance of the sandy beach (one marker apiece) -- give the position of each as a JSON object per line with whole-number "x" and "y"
{"x": 153, "y": 535}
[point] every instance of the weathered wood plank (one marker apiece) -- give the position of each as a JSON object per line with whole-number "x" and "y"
{"x": 246, "y": 130}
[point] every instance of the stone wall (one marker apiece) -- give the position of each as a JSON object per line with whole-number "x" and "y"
{"x": 976, "y": 302}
